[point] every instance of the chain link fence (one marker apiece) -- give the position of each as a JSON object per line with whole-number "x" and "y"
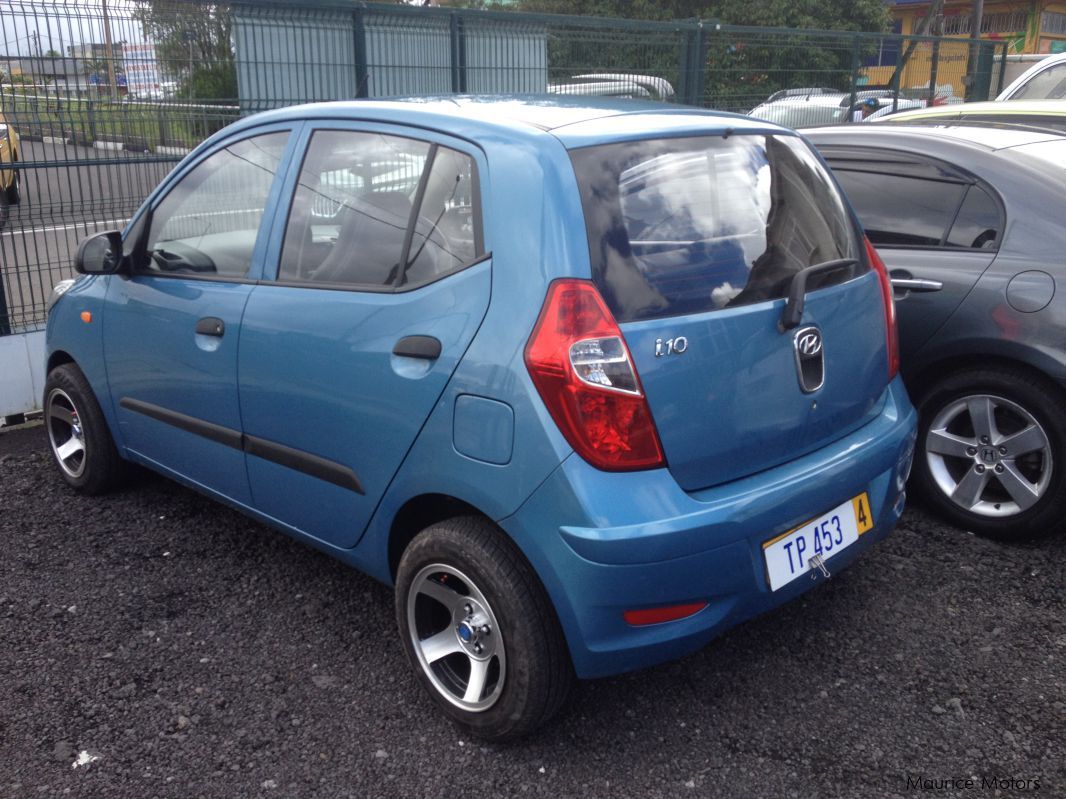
{"x": 101, "y": 98}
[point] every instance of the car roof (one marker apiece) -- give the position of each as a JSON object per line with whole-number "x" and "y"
{"x": 1006, "y": 108}
{"x": 577, "y": 121}
{"x": 980, "y": 137}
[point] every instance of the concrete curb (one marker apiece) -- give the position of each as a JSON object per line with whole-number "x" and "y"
{"x": 114, "y": 146}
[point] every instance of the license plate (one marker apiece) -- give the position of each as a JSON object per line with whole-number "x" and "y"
{"x": 809, "y": 546}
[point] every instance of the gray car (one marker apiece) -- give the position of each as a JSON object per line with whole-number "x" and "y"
{"x": 969, "y": 223}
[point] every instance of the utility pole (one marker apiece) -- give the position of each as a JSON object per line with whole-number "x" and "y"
{"x": 975, "y": 38}
{"x": 109, "y": 52}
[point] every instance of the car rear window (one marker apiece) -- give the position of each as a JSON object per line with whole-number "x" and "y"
{"x": 690, "y": 225}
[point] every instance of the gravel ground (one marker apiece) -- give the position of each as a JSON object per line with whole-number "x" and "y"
{"x": 196, "y": 653}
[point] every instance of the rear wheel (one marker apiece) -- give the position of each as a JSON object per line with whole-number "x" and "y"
{"x": 480, "y": 630}
{"x": 992, "y": 453}
{"x": 78, "y": 434}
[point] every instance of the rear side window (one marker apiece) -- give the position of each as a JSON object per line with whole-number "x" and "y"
{"x": 683, "y": 226}
{"x": 978, "y": 224}
{"x": 364, "y": 200}
{"x": 902, "y": 211}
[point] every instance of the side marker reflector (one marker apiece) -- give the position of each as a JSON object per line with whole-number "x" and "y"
{"x": 86, "y": 316}
{"x": 640, "y": 618}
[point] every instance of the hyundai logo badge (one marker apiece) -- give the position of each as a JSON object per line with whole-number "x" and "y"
{"x": 810, "y": 359}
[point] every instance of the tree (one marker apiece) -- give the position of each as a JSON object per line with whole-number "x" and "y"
{"x": 854, "y": 15}
{"x": 194, "y": 41}
{"x": 740, "y": 68}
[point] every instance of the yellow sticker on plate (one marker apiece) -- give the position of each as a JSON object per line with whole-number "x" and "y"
{"x": 864, "y": 519}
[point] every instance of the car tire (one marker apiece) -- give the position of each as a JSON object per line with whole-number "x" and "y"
{"x": 471, "y": 609}
{"x": 992, "y": 453}
{"x": 78, "y": 435}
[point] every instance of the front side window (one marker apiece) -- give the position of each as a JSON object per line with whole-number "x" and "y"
{"x": 354, "y": 220}
{"x": 207, "y": 224}
{"x": 690, "y": 225}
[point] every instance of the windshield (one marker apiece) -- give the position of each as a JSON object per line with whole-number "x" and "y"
{"x": 690, "y": 225}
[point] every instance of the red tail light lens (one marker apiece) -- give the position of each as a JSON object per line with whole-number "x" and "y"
{"x": 581, "y": 367}
{"x": 891, "y": 335}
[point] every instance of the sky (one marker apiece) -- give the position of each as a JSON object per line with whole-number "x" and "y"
{"x": 62, "y": 24}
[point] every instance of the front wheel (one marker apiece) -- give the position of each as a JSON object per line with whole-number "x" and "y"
{"x": 81, "y": 442}
{"x": 992, "y": 453}
{"x": 480, "y": 630}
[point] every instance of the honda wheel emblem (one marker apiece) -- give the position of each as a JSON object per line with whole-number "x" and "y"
{"x": 810, "y": 358}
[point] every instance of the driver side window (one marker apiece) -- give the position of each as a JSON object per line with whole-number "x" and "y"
{"x": 207, "y": 224}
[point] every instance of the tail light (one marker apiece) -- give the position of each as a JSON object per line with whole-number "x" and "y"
{"x": 581, "y": 367}
{"x": 891, "y": 336}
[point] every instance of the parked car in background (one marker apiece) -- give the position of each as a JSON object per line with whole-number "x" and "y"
{"x": 969, "y": 222}
{"x": 589, "y": 382}
{"x": 1049, "y": 114}
{"x": 616, "y": 84}
{"x": 1045, "y": 80}
{"x": 10, "y": 178}
{"x": 829, "y": 108}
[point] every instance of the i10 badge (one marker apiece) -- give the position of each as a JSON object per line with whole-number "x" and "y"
{"x": 670, "y": 346}
{"x": 809, "y": 547}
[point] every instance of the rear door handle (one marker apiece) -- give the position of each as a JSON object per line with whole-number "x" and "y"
{"x": 211, "y": 326}
{"x": 916, "y": 284}
{"x": 425, "y": 347}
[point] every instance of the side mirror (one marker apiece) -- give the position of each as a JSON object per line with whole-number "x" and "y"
{"x": 100, "y": 254}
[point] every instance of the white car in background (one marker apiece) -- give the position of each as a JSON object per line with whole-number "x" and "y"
{"x": 1044, "y": 80}
{"x": 616, "y": 84}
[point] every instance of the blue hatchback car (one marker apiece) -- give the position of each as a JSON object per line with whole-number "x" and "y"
{"x": 588, "y": 382}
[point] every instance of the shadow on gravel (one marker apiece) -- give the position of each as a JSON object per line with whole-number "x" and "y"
{"x": 198, "y": 653}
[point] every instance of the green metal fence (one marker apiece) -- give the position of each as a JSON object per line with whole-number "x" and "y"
{"x": 107, "y": 96}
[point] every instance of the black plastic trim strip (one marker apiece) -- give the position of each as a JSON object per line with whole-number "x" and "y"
{"x": 305, "y": 462}
{"x": 190, "y": 424}
{"x": 313, "y": 465}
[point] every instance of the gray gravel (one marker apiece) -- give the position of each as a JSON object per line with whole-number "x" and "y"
{"x": 193, "y": 652}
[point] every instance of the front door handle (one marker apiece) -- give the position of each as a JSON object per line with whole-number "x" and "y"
{"x": 211, "y": 326}
{"x": 425, "y": 347}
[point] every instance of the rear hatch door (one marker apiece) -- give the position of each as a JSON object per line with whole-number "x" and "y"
{"x": 694, "y": 245}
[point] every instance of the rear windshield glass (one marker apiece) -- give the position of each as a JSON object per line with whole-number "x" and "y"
{"x": 683, "y": 226}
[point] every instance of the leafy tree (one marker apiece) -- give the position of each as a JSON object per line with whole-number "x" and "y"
{"x": 194, "y": 41}
{"x": 739, "y": 68}
{"x": 865, "y": 15}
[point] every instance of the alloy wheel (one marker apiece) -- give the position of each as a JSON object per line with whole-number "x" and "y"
{"x": 989, "y": 455}
{"x": 65, "y": 432}
{"x": 456, "y": 637}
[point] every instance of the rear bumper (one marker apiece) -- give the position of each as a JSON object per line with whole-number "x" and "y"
{"x": 633, "y": 541}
